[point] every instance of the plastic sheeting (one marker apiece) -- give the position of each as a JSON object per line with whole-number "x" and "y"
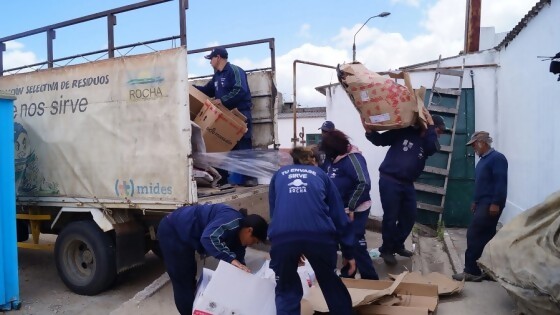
{"x": 524, "y": 257}
{"x": 255, "y": 163}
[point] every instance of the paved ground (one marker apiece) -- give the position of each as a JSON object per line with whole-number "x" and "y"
{"x": 42, "y": 292}
{"x": 146, "y": 290}
{"x": 481, "y": 298}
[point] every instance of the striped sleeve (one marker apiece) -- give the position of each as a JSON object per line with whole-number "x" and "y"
{"x": 214, "y": 239}
{"x": 362, "y": 180}
{"x": 237, "y": 90}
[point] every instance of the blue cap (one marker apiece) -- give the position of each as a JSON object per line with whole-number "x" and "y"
{"x": 438, "y": 122}
{"x": 327, "y": 126}
{"x": 218, "y": 51}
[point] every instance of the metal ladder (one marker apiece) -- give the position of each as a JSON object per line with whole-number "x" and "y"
{"x": 448, "y": 113}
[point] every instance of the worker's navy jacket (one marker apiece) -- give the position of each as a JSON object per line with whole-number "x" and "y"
{"x": 211, "y": 229}
{"x": 305, "y": 205}
{"x": 230, "y": 86}
{"x": 409, "y": 150}
{"x": 350, "y": 175}
{"x": 491, "y": 179}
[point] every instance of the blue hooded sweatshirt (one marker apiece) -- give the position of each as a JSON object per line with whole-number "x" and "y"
{"x": 305, "y": 205}
{"x": 210, "y": 229}
{"x": 409, "y": 150}
{"x": 350, "y": 175}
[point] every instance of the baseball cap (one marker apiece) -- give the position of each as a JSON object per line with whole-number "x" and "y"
{"x": 218, "y": 51}
{"x": 438, "y": 122}
{"x": 327, "y": 126}
{"x": 480, "y": 135}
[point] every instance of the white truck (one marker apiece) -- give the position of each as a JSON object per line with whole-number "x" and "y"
{"x": 103, "y": 152}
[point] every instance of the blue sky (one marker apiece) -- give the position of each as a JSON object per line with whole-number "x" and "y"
{"x": 314, "y": 30}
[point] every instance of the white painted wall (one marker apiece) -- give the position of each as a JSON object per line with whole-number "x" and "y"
{"x": 517, "y": 102}
{"x": 286, "y": 129}
{"x": 528, "y": 130}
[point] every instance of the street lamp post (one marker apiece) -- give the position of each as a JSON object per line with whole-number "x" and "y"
{"x": 382, "y": 14}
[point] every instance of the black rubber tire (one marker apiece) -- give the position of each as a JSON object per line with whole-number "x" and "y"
{"x": 85, "y": 258}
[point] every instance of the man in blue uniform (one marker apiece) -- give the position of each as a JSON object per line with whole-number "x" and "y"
{"x": 216, "y": 230}
{"x": 229, "y": 87}
{"x": 307, "y": 218}
{"x": 490, "y": 193}
{"x": 325, "y": 128}
{"x": 404, "y": 162}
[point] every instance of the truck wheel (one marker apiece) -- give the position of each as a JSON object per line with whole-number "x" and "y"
{"x": 85, "y": 258}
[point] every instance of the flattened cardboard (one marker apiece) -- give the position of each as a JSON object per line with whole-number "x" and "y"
{"x": 446, "y": 285}
{"x": 411, "y": 294}
{"x": 362, "y": 292}
{"x": 391, "y": 310}
{"x": 221, "y": 129}
{"x": 233, "y": 291}
{"x": 196, "y": 101}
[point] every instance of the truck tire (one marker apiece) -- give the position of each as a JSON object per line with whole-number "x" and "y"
{"x": 85, "y": 258}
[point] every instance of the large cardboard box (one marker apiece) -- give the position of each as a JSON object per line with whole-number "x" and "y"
{"x": 221, "y": 129}
{"x": 379, "y": 99}
{"x": 196, "y": 101}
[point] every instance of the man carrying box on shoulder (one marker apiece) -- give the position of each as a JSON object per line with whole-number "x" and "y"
{"x": 404, "y": 162}
{"x": 229, "y": 88}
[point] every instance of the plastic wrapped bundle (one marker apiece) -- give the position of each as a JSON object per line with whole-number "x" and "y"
{"x": 261, "y": 164}
{"x": 524, "y": 257}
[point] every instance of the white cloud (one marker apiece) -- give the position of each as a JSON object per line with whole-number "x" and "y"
{"x": 504, "y": 15}
{"x": 443, "y": 33}
{"x": 412, "y": 3}
{"x": 16, "y": 55}
{"x": 304, "y": 31}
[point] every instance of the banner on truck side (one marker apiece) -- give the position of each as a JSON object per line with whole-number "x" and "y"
{"x": 117, "y": 128}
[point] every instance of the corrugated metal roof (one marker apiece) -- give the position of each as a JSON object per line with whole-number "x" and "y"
{"x": 521, "y": 25}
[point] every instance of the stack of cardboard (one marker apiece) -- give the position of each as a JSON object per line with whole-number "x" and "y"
{"x": 252, "y": 294}
{"x": 221, "y": 128}
{"x": 379, "y": 99}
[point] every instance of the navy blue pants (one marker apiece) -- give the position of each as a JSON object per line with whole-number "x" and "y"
{"x": 322, "y": 257}
{"x": 481, "y": 230}
{"x": 180, "y": 262}
{"x": 399, "y": 213}
{"x": 364, "y": 264}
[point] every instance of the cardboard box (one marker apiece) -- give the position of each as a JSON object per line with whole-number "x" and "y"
{"x": 379, "y": 99}
{"x": 196, "y": 101}
{"x": 221, "y": 129}
{"x": 413, "y": 298}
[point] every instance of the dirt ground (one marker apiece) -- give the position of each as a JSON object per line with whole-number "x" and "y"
{"x": 42, "y": 292}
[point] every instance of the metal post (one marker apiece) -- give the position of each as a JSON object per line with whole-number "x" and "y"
{"x": 2, "y": 50}
{"x": 111, "y": 22}
{"x": 294, "y": 106}
{"x": 183, "y": 6}
{"x": 382, "y": 14}
{"x": 51, "y": 35}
